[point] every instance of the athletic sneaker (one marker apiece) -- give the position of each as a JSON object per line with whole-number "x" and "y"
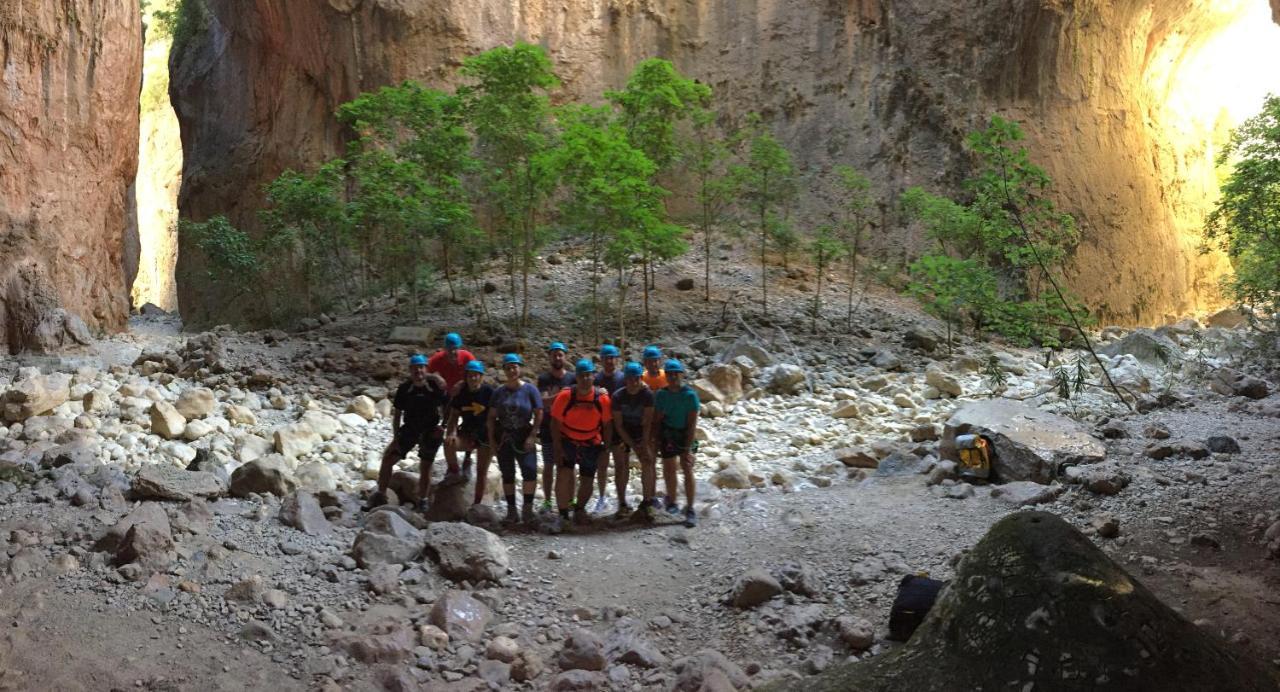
{"x": 623, "y": 511}
{"x": 581, "y": 518}
{"x": 690, "y": 518}
{"x": 423, "y": 506}
{"x": 672, "y": 508}
{"x": 546, "y": 506}
{"x": 512, "y": 515}
{"x": 599, "y": 504}
{"x": 527, "y": 513}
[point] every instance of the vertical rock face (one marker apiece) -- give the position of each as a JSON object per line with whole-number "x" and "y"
{"x": 889, "y": 86}
{"x": 69, "y": 79}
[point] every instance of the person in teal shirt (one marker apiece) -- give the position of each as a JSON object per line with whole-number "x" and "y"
{"x": 675, "y": 407}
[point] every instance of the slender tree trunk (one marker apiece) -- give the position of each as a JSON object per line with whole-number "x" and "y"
{"x": 595, "y": 285}
{"x": 645, "y": 287}
{"x": 764, "y": 270}
{"x": 817, "y": 296}
{"x": 622, "y": 301}
{"x": 448, "y": 270}
{"x": 706, "y": 246}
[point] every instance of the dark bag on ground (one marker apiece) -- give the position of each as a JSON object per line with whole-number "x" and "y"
{"x": 916, "y": 596}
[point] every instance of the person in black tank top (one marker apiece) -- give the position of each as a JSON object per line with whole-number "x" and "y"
{"x": 465, "y": 426}
{"x": 415, "y": 422}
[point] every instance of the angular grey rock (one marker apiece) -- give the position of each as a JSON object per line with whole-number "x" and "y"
{"x": 1027, "y": 444}
{"x": 1145, "y": 345}
{"x": 165, "y": 482}
{"x": 461, "y": 616}
{"x": 701, "y": 670}
{"x": 466, "y": 553}
{"x": 268, "y": 475}
{"x": 1106, "y": 478}
{"x": 784, "y": 378}
{"x": 386, "y": 538}
{"x": 301, "y": 510}
{"x": 578, "y": 681}
{"x": 1178, "y": 447}
{"x": 753, "y": 587}
{"x": 626, "y": 644}
{"x": 1026, "y": 493}
{"x": 148, "y": 541}
{"x": 1222, "y": 444}
{"x": 799, "y": 578}
{"x": 582, "y": 650}
{"x": 385, "y": 641}
{"x": 1059, "y": 595}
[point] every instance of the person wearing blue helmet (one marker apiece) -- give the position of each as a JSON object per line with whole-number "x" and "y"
{"x": 515, "y": 411}
{"x": 653, "y": 376}
{"x": 676, "y": 408}
{"x": 632, "y": 428}
{"x": 555, "y": 378}
{"x": 581, "y": 430}
{"x": 466, "y": 425}
{"x": 450, "y": 362}
{"x": 415, "y": 422}
{"x": 609, "y": 380}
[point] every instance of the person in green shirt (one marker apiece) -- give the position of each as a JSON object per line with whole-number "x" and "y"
{"x": 675, "y": 410}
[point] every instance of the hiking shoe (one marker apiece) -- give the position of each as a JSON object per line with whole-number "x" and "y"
{"x": 375, "y": 500}
{"x": 423, "y": 506}
{"x": 690, "y": 518}
{"x": 527, "y": 514}
{"x": 623, "y": 512}
{"x": 512, "y": 515}
{"x": 581, "y": 518}
{"x": 672, "y": 508}
{"x": 546, "y": 506}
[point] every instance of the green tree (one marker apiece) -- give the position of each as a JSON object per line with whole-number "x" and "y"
{"x": 508, "y": 107}
{"x": 307, "y": 223}
{"x": 1011, "y": 230}
{"x": 953, "y": 289}
{"x": 851, "y": 216}
{"x": 655, "y": 101}
{"x": 765, "y": 183}
{"x": 825, "y": 247}
{"x": 231, "y": 259}
{"x": 424, "y": 130}
{"x": 610, "y": 198}
{"x": 707, "y": 154}
{"x": 1245, "y": 223}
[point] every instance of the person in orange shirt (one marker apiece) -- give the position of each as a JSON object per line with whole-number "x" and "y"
{"x": 654, "y": 378}
{"x": 581, "y": 429}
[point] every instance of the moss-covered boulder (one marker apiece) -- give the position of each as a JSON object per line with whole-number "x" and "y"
{"x": 1036, "y": 606}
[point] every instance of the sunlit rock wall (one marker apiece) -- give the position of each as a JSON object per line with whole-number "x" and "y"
{"x": 889, "y": 86}
{"x": 159, "y": 175}
{"x": 69, "y": 78}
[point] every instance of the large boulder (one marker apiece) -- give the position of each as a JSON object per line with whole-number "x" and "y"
{"x": 196, "y": 403}
{"x": 719, "y": 382}
{"x": 143, "y": 536}
{"x": 165, "y": 482}
{"x": 1145, "y": 345}
{"x": 302, "y": 511}
{"x": 784, "y": 378}
{"x": 753, "y": 587}
{"x": 1036, "y": 604}
{"x": 321, "y": 423}
{"x": 461, "y": 616}
{"x": 35, "y": 396}
{"x": 295, "y": 440}
{"x": 745, "y": 346}
{"x": 268, "y": 475}
{"x": 166, "y": 421}
{"x": 466, "y": 553}
{"x": 1027, "y": 444}
{"x": 386, "y": 539}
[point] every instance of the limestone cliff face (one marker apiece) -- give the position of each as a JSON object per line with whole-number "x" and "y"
{"x": 68, "y": 154}
{"x": 889, "y": 86}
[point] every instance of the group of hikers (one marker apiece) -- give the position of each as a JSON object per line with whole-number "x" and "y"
{"x": 581, "y": 417}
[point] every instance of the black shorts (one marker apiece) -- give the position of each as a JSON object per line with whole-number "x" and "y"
{"x": 477, "y": 436}
{"x": 427, "y": 441}
{"x": 583, "y": 455}
{"x": 672, "y": 443}
{"x": 636, "y": 434}
{"x": 511, "y": 453}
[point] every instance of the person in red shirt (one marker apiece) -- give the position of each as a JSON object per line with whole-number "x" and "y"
{"x": 450, "y": 361}
{"x": 581, "y": 429}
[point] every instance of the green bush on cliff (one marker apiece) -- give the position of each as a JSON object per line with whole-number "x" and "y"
{"x": 1246, "y": 221}
{"x": 182, "y": 20}
{"x": 996, "y": 248}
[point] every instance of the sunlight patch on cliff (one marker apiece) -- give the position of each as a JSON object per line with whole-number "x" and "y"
{"x": 159, "y": 175}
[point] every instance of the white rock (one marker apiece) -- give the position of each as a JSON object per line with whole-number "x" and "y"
{"x": 352, "y": 420}
{"x": 166, "y": 421}
{"x": 364, "y": 407}
{"x": 195, "y": 430}
{"x": 241, "y": 415}
{"x": 322, "y": 424}
{"x": 196, "y": 403}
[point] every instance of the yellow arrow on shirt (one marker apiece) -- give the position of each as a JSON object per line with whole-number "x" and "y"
{"x": 475, "y": 408}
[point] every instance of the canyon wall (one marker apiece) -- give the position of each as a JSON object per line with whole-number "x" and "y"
{"x": 69, "y": 80}
{"x": 888, "y": 86}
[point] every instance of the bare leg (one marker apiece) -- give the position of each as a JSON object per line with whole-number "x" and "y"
{"x": 564, "y": 488}
{"x": 483, "y": 456}
{"x": 648, "y": 473}
{"x": 669, "y": 477}
{"x": 602, "y": 472}
{"x": 621, "y": 472}
{"x": 686, "y": 465}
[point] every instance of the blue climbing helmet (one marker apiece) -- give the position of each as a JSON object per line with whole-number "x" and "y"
{"x": 474, "y": 366}
{"x": 512, "y": 358}
{"x": 610, "y": 351}
{"x": 557, "y": 346}
{"x": 452, "y": 341}
{"x": 652, "y": 352}
{"x": 417, "y": 359}
{"x": 633, "y": 369}
{"x": 584, "y": 366}
{"x": 673, "y": 365}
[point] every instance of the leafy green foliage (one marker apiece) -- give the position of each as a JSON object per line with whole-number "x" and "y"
{"x": 1246, "y": 221}
{"x": 994, "y": 248}
{"x": 507, "y": 106}
{"x": 850, "y": 218}
{"x": 765, "y": 183}
{"x": 824, "y": 248}
{"x": 706, "y": 158}
{"x": 182, "y": 20}
{"x": 230, "y": 256}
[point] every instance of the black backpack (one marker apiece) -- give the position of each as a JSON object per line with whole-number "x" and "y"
{"x": 916, "y": 596}
{"x": 575, "y": 401}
